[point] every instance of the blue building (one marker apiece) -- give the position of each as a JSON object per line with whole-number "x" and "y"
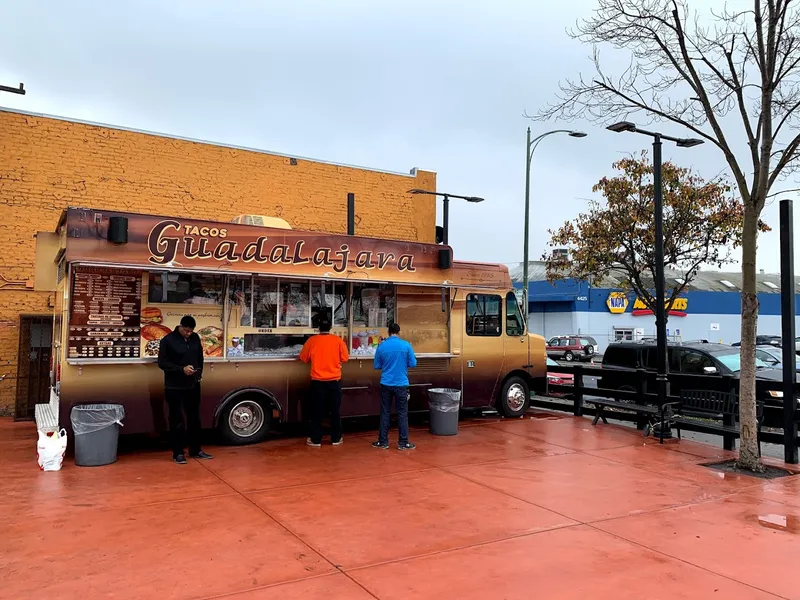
{"x": 710, "y": 307}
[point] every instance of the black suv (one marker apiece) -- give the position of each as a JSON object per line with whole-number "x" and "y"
{"x": 690, "y": 358}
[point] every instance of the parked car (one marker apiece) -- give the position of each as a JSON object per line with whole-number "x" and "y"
{"x": 556, "y": 378}
{"x": 571, "y": 347}
{"x": 694, "y": 358}
{"x": 766, "y": 340}
{"x": 773, "y": 357}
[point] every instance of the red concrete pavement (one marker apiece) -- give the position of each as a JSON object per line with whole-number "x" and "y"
{"x": 514, "y": 509}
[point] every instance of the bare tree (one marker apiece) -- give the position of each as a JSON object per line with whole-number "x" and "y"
{"x": 721, "y": 75}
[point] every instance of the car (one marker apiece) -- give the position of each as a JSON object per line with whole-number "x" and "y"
{"x": 692, "y": 358}
{"x": 571, "y": 347}
{"x": 556, "y": 378}
{"x": 767, "y": 340}
{"x": 773, "y": 357}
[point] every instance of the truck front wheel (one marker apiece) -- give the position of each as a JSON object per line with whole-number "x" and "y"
{"x": 515, "y": 397}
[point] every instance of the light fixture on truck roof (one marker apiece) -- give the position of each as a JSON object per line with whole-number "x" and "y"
{"x": 261, "y": 221}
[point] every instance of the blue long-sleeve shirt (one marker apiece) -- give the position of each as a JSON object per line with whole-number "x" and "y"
{"x": 394, "y": 357}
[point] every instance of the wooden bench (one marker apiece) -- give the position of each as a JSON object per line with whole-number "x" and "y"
{"x": 696, "y": 406}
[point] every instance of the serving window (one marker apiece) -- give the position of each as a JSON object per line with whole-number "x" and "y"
{"x": 269, "y": 316}
{"x": 373, "y": 309}
{"x": 184, "y": 288}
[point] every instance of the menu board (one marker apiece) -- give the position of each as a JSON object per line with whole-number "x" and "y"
{"x": 105, "y": 314}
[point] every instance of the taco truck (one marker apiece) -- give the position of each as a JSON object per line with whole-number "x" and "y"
{"x": 257, "y": 289}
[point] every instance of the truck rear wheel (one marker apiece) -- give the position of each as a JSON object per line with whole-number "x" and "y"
{"x": 245, "y": 421}
{"x": 515, "y": 397}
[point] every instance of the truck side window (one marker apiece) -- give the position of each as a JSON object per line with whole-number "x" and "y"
{"x": 514, "y": 319}
{"x": 484, "y": 315}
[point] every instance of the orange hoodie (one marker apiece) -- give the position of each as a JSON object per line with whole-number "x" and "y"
{"x": 326, "y": 353}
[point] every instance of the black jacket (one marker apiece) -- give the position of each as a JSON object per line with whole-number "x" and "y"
{"x": 176, "y": 352}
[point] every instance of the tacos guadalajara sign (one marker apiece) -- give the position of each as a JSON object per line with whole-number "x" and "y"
{"x": 176, "y": 243}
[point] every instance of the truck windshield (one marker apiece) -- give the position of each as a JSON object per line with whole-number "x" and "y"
{"x": 733, "y": 361}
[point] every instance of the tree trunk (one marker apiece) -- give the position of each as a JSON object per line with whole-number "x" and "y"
{"x": 748, "y": 449}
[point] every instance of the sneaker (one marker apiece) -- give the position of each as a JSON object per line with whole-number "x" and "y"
{"x": 406, "y": 446}
{"x": 339, "y": 443}
{"x": 381, "y": 445}
{"x": 180, "y": 459}
{"x": 310, "y": 442}
{"x": 202, "y": 456}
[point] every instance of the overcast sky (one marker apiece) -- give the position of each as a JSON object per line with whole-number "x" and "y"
{"x": 390, "y": 85}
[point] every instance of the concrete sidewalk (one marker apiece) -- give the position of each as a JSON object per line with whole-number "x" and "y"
{"x": 542, "y": 507}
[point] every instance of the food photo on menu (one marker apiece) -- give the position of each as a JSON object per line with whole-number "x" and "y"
{"x": 211, "y": 340}
{"x": 152, "y": 329}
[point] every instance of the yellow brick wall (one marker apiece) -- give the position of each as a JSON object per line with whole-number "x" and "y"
{"x": 48, "y": 164}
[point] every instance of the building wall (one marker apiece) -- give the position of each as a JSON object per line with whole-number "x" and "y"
{"x": 691, "y": 327}
{"x": 563, "y": 310}
{"x": 47, "y": 164}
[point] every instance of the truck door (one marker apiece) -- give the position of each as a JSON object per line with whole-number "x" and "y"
{"x": 515, "y": 341}
{"x": 482, "y": 353}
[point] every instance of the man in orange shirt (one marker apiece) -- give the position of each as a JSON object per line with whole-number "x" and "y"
{"x": 326, "y": 353}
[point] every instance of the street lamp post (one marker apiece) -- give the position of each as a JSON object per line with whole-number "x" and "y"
{"x": 11, "y": 90}
{"x": 446, "y": 207}
{"x": 529, "y": 148}
{"x": 662, "y": 380}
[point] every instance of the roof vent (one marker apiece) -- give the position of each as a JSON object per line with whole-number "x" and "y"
{"x": 261, "y": 221}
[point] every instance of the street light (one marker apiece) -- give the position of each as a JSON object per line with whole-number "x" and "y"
{"x": 446, "y": 208}
{"x": 531, "y": 146}
{"x": 20, "y": 90}
{"x": 658, "y": 209}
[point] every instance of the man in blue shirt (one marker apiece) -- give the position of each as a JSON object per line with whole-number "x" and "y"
{"x": 394, "y": 358}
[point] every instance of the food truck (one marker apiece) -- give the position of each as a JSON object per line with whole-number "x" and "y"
{"x": 258, "y": 289}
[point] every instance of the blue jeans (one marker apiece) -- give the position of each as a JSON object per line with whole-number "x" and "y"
{"x": 400, "y": 395}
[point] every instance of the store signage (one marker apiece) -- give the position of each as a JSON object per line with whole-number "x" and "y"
{"x": 186, "y": 244}
{"x": 617, "y": 303}
{"x": 171, "y": 239}
{"x": 678, "y": 309}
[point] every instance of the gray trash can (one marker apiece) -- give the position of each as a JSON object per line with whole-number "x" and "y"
{"x": 444, "y": 404}
{"x": 96, "y": 429}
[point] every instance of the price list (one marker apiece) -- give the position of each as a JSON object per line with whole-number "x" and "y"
{"x": 104, "y": 315}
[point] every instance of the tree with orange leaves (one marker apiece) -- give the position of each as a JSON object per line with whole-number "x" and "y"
{"x": 702, "y": 226}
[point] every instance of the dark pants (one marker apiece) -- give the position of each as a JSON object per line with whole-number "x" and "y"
{"x": 180, "y": 402}
{"x": 325, "y": 398}
{"x": 400, "y": 396}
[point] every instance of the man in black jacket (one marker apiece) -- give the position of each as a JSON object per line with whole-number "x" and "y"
{"x": 180, "y": 356}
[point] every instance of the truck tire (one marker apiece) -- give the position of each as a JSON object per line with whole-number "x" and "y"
{"x": 245, "y": 420}
{"x": 515, "y": 397}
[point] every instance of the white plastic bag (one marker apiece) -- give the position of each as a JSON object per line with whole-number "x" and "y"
{"x": 50, "y": 450}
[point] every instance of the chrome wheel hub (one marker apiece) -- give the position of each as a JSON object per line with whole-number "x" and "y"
{"x": 246, "y": 418}
{"x": 515, "y": 397}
